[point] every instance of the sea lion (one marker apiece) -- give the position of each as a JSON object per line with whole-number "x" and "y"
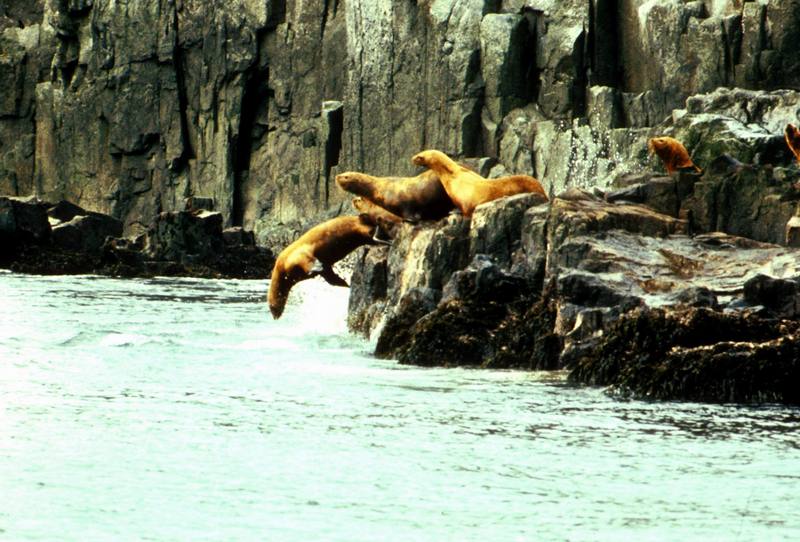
{"x": 792, "y": 136}
{"x": 387, "y": 221}
{"x": 315, "y": 252}
{"x": 412, "y": 198}
{"x": 468, "y": 189}
{"x": 672, "y": 153}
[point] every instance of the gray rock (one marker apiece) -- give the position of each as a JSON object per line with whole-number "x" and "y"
{"x": 238, "y": 236}
{"x": 496, "y": 227}
{"x": 23, "y": 220}
{"x": 64, "y": 211}
{"x": 86, "y": 233}
{"x": 779, "y": 296}
{"x": 186, "y": 236}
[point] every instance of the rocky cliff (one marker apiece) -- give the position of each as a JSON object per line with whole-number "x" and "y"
{"x": 127, "y": 108}
{"x": 682, "y": 286}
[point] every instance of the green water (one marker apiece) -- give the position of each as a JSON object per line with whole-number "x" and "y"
{"x": 179, "y": 410}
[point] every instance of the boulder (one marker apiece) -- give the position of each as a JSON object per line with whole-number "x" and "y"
{"x": 64, "y": 211}
{"x": 238, "y": 236}
{"x": 186, "y": 237}
{"x": 86, "y": 233}
{"x": 23, "y": 220}
{"x": 779, "y": 296}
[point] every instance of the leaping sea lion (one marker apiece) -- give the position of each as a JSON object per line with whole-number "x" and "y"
{"x": 672, "y": 153}
{"x": 468, "y": 189}
{"x": 412, "y": 198}
{"x": 792, "y": 136}
{"x": 315, "y": 252}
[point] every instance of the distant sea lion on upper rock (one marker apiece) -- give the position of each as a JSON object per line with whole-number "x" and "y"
{"x": 315, "y": 252}
{"x": 411, "y": 198}
{"x": 672, "y": 153}
{"x": 792, "y": 136}
{"x": 468, "y": 189}
{"x": 387, "y": 221}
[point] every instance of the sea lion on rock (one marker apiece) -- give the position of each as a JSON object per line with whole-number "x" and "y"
{"x": 467, "y": 189}
{"x": 672, "y": 153}
{"x": 792, "y": 136}
{"x": 387, "y": 221}
{"x": 411, "y": 198}
{"x": 315, "y": 252}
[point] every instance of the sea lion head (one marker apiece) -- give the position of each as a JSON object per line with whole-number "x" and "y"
{"x": 353, "y": 182}
{"x": 282, "y": 282}
{"x": 426, "y": 158}
{"x": 435, "y": 160}
{"x": 656, "y": 144}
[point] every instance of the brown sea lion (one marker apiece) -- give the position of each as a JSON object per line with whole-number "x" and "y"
{"x": 468, "y": 189}
{"x": 672, "y": 153}
{"x": 792, "y": 136}
{"x": 387, "y": 221}
{"x": 411, "y": 198}
{"x": 315, "y": 252}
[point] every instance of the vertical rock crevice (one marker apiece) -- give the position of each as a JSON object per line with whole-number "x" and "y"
{"x": 604, "y": 46}
{"x": 254, "y": 96}
{"x": 333, "y": 116}
{"x": 179, "y": 64}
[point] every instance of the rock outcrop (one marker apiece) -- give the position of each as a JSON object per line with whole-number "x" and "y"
{"x": 593, "y": 281}
{"x": 39, "y": 237}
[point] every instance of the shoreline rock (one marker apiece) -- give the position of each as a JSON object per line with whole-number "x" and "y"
{"x": 47, "y": 239}
{"x": 618, "y": 289}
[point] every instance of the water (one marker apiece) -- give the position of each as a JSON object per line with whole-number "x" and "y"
{"x": 178, "y": 410}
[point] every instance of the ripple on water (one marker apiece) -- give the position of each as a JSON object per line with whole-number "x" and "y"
{"x": 176, "y": 409}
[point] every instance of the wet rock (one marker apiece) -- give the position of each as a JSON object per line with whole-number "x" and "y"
{"x": 604, "y": 107}
{"x": 368, "y": 290}
{"x": 398, "y": 329}
{"x": 483, "y": 281}
{"x": 86, "y": 233}
{"x": 699, "y": 296}
{"x": 698, "y": 355}
{"x": 779, "y": 296}
{"x": 422, "y": 257}
{"x": 124, "y": 253}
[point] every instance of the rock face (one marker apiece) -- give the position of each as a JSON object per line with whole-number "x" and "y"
{"x": 607, "y": 287}
{"x": 129, "y": 108}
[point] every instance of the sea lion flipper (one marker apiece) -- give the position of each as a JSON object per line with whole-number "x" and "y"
{"x": 379, "y": 241}
{"x": 316, "y": 268}
{"x": 332, "y": 278}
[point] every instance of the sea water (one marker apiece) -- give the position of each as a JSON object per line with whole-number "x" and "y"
{"x": 178, "y": 409}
